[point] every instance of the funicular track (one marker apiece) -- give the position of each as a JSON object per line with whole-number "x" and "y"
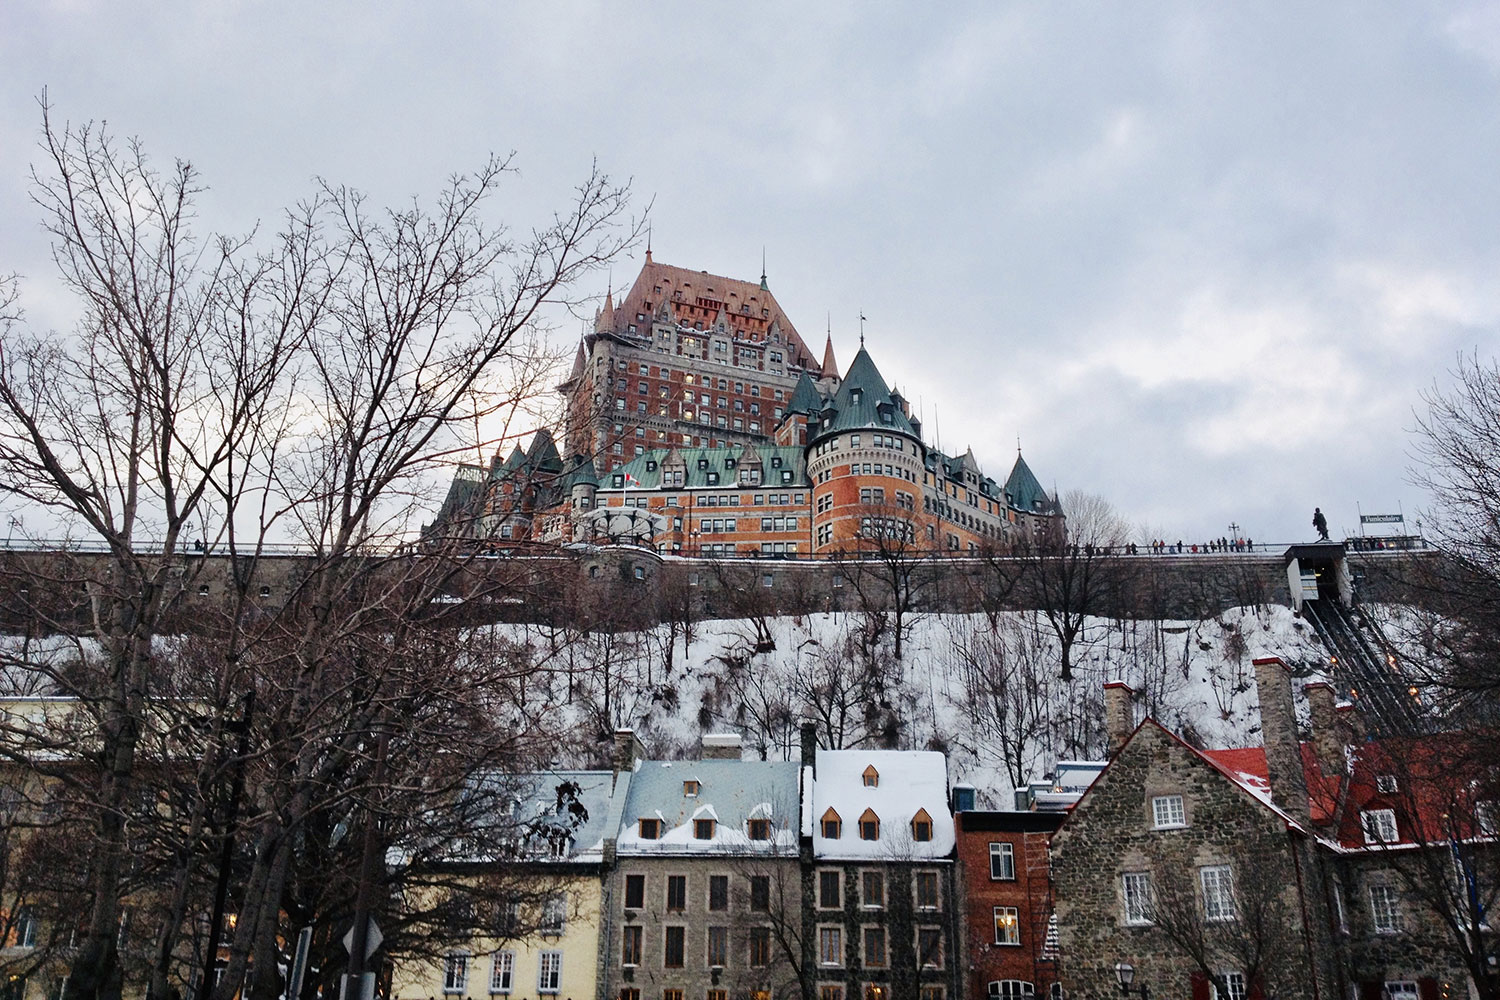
{"x": 1364, "y": 669}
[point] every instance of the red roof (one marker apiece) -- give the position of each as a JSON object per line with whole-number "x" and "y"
{"x": 1247, "y": 765}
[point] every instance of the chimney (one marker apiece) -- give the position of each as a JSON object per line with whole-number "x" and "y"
{"x": 963, "y": 797}
{"x": 1351, "y": 723}
{"x": 720, "y": 746}
{"x": 1328, "y": 740}
{"x": 1119, "y": 715}
{"x": 1278, "y": 727}
{"x": 810, "y": 745}
{"x": 628, "y": 749}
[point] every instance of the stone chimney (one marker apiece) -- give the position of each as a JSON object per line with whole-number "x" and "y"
{"x": 628, "y": 750}
{"x": 1327, "y": 731}
{"x": 721, "y": 746}
{"x": 1119, "y": 714}
{"x": 810, "y": 745}
{"x": 1351, "y": 723}
{"x": 1278, "y": 726}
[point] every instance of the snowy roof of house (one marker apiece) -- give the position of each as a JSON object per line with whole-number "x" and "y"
{"x": 907, "y": 782}
{"x": 729, "y": 792}
{"x": 548, "y": 802}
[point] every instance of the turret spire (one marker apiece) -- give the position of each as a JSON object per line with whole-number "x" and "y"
{"x": 763, "y": 286}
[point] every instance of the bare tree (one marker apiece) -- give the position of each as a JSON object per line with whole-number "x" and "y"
{"x": 890, "y": 566}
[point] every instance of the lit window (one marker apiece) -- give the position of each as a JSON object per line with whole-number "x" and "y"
{"x": 1007, "y": 925}
{"x": 1167, "y": 812}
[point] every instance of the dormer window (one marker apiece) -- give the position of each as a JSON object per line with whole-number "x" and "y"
{"x": 832, "y": 825}
{"x": 759, "y": 829}
{"x": 854, "y": 396}
{"x": 690, "y": 788}
{"x": 869, "y": 825}
{"x": 921, "y": 826}
{"x": 650, "y": 829}
{"x": 1385, "y": 784}
{"x": 703, "y": 829}
{"x": 872, "y": 777}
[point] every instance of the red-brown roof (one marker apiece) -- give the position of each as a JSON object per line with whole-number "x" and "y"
{"x": 1247, "y": 765}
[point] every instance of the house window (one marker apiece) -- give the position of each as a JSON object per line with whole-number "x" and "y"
{"x": 871, "y": 777}
{"x": 876, "y": 991}
{"x": 1218, "y": 892}
{"x": 830, "y": 991}
{"x": 549, "y": 972}
{"x": 760, "y": 947}
{"x": 671, "y": 994}
{"x": 1136, "y": 889}
{"x": 673, "y": 947}
{"x": 921, "y": 826}
{"x": 1234, "y": 983}
{"x": 1167, "y": 812}
{"x": 635, "y": 892}
{"x": 554, "y": 913}
{"x": 932, "y": 993}
{"x": 502, "y": 971}
{"x": 1385, "y": 783}
{"x": 718, "y": 947}
{"x": 874, "y": 947}
{"x": 690, "y": 788}
{"x": 927, "y": 890}
{"x": 676, "y": 893}
{"x": 759, "y": 829}
{"x": 703, "y": 829}
{"x": 869, "y": 826}
{"x": 830, "y": 882}
{"x": 650, "y": 829}
{"x": 830, "y": 946}
{"x": 1379, "y": 826}
{"x": 718, "y": 893}
{"x": 1341, "y": 918}
{"x": 930, "y": 947}
{"x": 630, "y": 945}
{"x": 1385, "y": 908}
{"x": 1002, "y": 862}
{"x": 1011, "y": 989}
{"x": 455, "y": 973}
{"x": 760, "y": 893}
{"x": 1007, "y": 925}
{"x": 872, "y": 890}
{"x": 1402, "y": 990}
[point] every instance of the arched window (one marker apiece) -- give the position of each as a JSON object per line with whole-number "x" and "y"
{"x": 1011, "y": 989}
{"x": 869, "y": 825}
{"x": 832, "y": 825}
{"x": 921, "y": 826}
{"x": 872, "y": 777}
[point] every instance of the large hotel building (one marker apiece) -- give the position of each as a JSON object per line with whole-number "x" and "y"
{"x": 695, "y": 399}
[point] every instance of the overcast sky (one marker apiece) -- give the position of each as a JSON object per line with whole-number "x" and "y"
{"x": 1201, "y": 258}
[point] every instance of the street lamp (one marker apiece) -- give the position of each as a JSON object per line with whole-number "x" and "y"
{"x": 1125, "y": 975}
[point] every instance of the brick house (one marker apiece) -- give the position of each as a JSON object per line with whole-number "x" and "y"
{"x": 1296, "y": 869}
{"x": 1005, "y": 888}
{"x": 880, "y": 903}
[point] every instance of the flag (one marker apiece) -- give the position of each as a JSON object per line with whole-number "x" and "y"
{"x": 631, "y": 480}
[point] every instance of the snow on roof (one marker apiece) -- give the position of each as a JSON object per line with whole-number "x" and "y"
{"x": 729, "y": 792}
{"x": 906, "y": 782}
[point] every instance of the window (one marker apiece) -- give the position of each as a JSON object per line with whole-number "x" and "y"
{"x": 690, "y": 788}
{"x": 1234, "y": 983}
{"x": 549, "y": 972}
{"x": 921, "y": 826}
{"x": 1402, "y": 990}
{"x": 635, "y": 892}
{"x": 872, "y": 890}
{"x": 630, "y": 945}
{"x": 830, "y": 946}
{"x": 650, "y": 829}
{"x": 718, "y": 893}
{"x": 716, "y": 995}
{"x": 876, "y": 991}
{"x": 931, "y": 993}
{"x": 703, "y": 829}
{"x": 1385, "y": 783}
{"x": 1218, "y": 892}
{"x": 456, "y": 973}
{"x": 1136, "y": 890}
{"x": 1167, "y": 812}
{"x": 1011, "y": 989}
{"x": 673, "y": 947}
{"x": 554, "y": 913}
{"x": 1385, "y": 908}
{"x": 676, "y": 893}
{"x": 829, "y": 885}
{"x": 874, "y": 947}
{"x": 830, "y": 991}
{"x": 671, "y": 994}
{"x": 759, "y": 829}
{"x": 502, "y": 971}
{"x": 760, "y": 947}
{"x": 26, "y": 927}
{"x": 869, "y": 826}
{"x": 718, "y": 947}
{"x": 1007, "y": 925}
{"x": 927, "y": 890}
{"x": 1379, "y": 826}
{"x": 1002, "y": 861}
{"x": 1341, "y": 918}
{"x": 760, "y": 893}
{"x": 930, "y": 947}
{"x": 832, "y": 825}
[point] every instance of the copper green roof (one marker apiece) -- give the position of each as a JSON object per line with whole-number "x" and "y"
{"x": 805, "y": 398}
{"x": 724, "y": 463}
{"x": 863, "y": 400}
{"x": 1023, "y": 490}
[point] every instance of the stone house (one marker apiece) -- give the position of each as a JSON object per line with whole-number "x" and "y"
{"x": 703, "y": 896}
{"x": 880, "y": 899}
{"x": 1010, "y": 943}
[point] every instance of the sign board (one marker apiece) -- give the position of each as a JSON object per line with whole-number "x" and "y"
{"x": 372, "y": 939}
{"x": 1381, "y": 519}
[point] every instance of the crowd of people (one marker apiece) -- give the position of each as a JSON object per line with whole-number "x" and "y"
{"x": 1163, "y": 547}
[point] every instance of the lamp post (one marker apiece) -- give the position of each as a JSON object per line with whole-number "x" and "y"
{"x": 1125, "y": 976}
